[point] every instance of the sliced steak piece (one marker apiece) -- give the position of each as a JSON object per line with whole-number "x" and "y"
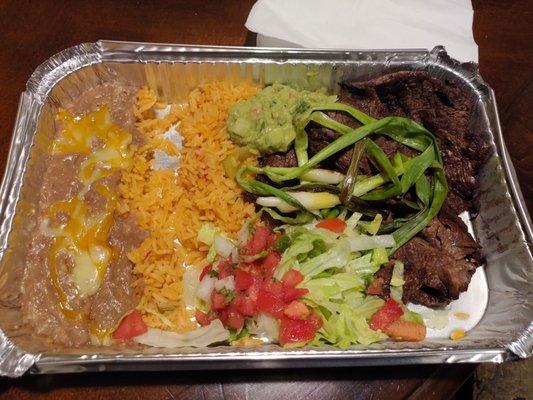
{"x": 450, "y": 233}
{"x": 320, "y": 137}
{"x": 455, "y": 204}
{"x": 439, "y": 263}
{"x": 432, "y": 276}
{"x": 380, "y": 286}
{"x": 318, "y": 140}
{"x": 287, "y": 159}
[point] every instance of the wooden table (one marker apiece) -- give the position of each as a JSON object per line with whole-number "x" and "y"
{"x": 31, "y": 31}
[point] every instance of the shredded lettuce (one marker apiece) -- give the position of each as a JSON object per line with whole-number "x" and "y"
{"x": 207, "y": 234}
{"x": 234, "y": 335}
{"x": 336, "y": 278}
{"x": 219, "y": 242}
{"x": 282, "y": 243}
{"x": 363, "y": 265}
{"x": 223, "y": 246}
{"x": 436, "y": 319}
{"x": 190, "y": 286}
{"x": 415, "y": 317}
{"x": 380, "y": 256}
{"x": 200, "y": 337}
{"x": 337, "y": 256}
{"x": 322, "y": 290}
{"x": 368, "y": 305}
{"x": 211, "y": 254}
{"x": 373, "y": 226}
{"x": 353, "y": 220}
{"x": 264, "y": 326}
{"x": 347, "y": 327}
{"x": 396, "y": 282}
{"x": 305, "y": 246}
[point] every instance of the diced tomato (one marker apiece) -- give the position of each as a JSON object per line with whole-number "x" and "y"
{"x": 217, "y": 301}
{"x": 376, "y": 287}
{"x": 292, "y": 293}
{"x": 276, "y": 288}
{"x": 386, "y": 315}
{"x": 270, "y": 304}
{"x": 224, "y": 269}
{"x": 223, "y": 316}
{"x": 269, "y": 263}
{"x": 258, "y": 242}
{"x": 315, "y": 320}
{"x": 271, "y": 240}
{"x": 205, "y": 271}
{"x": 243, "y": 279}
{"x": 257, "y": 283}
{"x": 291, "y": 278}
{"x": 203, "y": 318}
{"x": 296, "y": 330}
{"x": 406, "y": 330}
{"x": 244, "y": 305}
{"x": 336, "y": 225}
{"x": 132, "y": 325}
{"x": 235, "y": 320}
{"x": 296, "y": 310}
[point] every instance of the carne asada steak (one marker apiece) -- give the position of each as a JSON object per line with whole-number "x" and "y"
{"x": 441, "y": 108}
{"x": 440, "y": 260}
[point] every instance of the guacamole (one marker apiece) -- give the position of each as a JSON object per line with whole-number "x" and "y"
{"x": 265, "y": 121}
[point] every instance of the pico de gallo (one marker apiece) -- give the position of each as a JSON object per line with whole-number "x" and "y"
{"x": 302, "y": 284}
{"x": 309, "y": 283}
{"x": 245, "y": 286}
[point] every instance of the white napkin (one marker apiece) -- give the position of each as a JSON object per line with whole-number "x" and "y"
{"x": 366, "y": 24}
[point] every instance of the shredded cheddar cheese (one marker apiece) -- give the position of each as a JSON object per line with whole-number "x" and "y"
{"x": 462, "y": 315}
{"x": 457, "y": 334}
{"x": 79, "y": 235}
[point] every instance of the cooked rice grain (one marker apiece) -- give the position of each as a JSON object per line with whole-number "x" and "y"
{"x": 172, "y": 207}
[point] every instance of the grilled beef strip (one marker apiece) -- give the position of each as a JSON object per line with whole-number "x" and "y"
{"x": 438, "y": 263}
{"x": 440, "y": 260}
{"x": 440, "y": 107}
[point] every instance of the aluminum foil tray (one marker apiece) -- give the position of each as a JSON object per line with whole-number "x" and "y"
{"x": 503, "y": 226}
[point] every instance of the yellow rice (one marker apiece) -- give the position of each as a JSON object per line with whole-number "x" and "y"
{"x": 173, "y": 206}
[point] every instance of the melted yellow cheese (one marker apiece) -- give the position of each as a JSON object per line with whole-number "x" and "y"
{"x": 462, "y": 315}
{"x": 457, "y": 334}
{"x": 83, "y": 237}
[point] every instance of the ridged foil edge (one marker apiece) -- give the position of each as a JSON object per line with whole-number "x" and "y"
{"x": 15, "y": 362}
{"x": 522, "y": 346}
{"x": 50, "y": 72}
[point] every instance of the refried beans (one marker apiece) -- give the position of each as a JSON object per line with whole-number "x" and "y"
{"x": 66, "y": 296}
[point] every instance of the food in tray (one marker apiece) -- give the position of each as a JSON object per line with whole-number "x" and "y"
{"x": 248, "y": 215}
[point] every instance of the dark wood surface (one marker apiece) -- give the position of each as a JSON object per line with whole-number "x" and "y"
{"x": 31, "y": 31}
